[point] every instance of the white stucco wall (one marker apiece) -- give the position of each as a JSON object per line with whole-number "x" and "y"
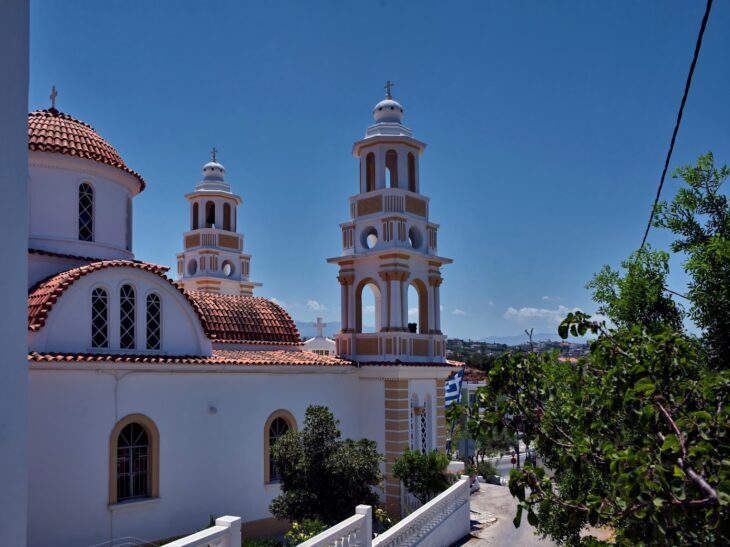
{"x": 211, "y": 463}
{"x": 68, "y": 326}
{"x": 321, "y": 343}
{"x": 14, "y": 29}
{"x": 54, "y": 184}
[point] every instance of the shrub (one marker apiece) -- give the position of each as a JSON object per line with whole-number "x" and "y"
{"x": 302, "y": 531}
{"x": 424, "y": 475}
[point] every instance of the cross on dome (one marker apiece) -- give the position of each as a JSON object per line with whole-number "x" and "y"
{"x": 320, "y": 327}
{"x": 389, "y": 89}
{"x": 53, "y": 96}
{"x": 213, "y": 153}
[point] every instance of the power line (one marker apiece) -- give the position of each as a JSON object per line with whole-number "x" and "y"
{"x": 687, "y": 85}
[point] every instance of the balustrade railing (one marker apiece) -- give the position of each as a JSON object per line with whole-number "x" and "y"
{"x": 423, "y": 522}
{"x": 355, "y": 531}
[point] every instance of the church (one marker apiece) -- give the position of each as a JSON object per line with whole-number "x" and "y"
{"x": 153, "y": 402}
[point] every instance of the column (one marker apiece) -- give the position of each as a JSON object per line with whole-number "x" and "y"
{"x": 14, "y": 31}
{"x": 434, "y": 298}
{"x": 397, "y": 436}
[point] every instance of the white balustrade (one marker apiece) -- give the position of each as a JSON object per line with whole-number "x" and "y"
{"x": 445, "y": 519}
{"x": 355, "y": 531}
{"x": 225, "y": 533}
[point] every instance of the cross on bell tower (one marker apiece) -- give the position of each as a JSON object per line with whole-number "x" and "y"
{"x": 319, "y": 325}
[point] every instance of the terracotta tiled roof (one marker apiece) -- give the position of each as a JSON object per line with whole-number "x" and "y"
{"x": 44, "y": 295}
{"x": 245, "y": 319}
{"x": 53, "y": 131}
{"x": 219, "y": 357}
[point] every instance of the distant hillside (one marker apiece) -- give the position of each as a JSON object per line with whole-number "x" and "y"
{"x": 518, "y": 339}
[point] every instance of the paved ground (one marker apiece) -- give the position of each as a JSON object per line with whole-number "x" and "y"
{"x": 492, "y": 511}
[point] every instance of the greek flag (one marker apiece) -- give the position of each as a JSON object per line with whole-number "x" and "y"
{"x": 453, "y": 388}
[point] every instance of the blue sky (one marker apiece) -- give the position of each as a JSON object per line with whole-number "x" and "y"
{"x": 546, "y": 122}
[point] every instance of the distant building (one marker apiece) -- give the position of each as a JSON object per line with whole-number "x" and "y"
{"x": 320, "y": 344}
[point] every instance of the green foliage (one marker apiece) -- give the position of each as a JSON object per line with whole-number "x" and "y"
{"x": 639, "y": 297}
{"x": 636, "y": 437}
{"x": 381, "y": 520}
{"x": 700, "y": 216}
{"x": 424, "y": 475}
{"x": 486, "y": 469}
{"x": 302, "y": 531}
{"x": 323, "y": 477}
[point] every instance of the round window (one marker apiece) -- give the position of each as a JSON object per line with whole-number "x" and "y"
{"x": 227, "y": 269}
{"x": 192, "y": 266}
{"x": 414, "y": 237}
{"x": 369, "y": 238}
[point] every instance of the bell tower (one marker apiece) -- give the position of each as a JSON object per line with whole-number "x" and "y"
{"x": 388, "y": 245}
{"x": 213, "y": 259}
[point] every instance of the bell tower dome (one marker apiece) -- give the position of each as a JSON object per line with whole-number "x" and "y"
{"x": 213, "y": 259}
{"x": 389, "y": 245}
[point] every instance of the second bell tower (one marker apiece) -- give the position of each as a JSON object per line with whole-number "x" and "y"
{"x": 213, "y": 259}
{"x": 389, "y": 245}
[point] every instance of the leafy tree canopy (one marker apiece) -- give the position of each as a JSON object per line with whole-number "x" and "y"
{"x": 323, "y": 477}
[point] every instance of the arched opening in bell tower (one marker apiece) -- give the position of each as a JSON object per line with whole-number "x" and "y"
{"x": 195, "y": 222}
{"x": 227, "y": 216}
{"x": 368, "y": 303}
{"x": 370, "y": 172}
{"x": 209, "y": 214}
{"x": 411, "y": 172}
{"x": 391, "y": 168}
{"x": 418, "y": 306}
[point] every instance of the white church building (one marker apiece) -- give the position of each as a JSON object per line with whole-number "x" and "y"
{"x": 152, "y": 402}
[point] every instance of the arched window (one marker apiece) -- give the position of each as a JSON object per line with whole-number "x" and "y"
{"x": 209, "y": 214}
{"x": 86, "y": 212}
{"x": 226, "y": 216}
{"x": 411, "y": 172}
{"x": 370, "y": 172}
{"x": 154, "y": 321}
{"x": 391, "y": 166}
{"x": 99, "y": 318}
{"x": 195, "y": 222}
{"x": 126, "y": 317}
{"x": 277, "y": 425}
{"x": 134, "y": 459}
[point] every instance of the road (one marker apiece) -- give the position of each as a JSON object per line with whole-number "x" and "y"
{"x": 492, "y": 511}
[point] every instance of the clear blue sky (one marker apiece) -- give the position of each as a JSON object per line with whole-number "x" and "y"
{"x": 546, "y": 122}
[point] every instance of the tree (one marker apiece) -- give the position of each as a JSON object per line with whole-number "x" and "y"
{"x": 639, "y": 297}
{"x": 635, "y": 435}
{"x": 323, "y": 477}
{"x": 700, "y": 216}
{"x": 423, "y": 474}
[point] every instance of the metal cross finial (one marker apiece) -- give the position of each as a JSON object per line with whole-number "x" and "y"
{"x": 388, "y": 89}
{"x": 213, "y": 153}
{"x": 53, "y": 96}
{"x": 320, "y": 327}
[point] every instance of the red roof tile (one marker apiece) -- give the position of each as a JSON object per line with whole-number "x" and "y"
{"x": 398, "y": 362}
{"x": 245, "y": 319}
{"x": 219, "y": 357}
{"x": 53, "y": 131}
{"x": 44, "y": 295}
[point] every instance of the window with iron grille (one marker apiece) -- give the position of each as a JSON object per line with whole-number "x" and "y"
{"x": 424, "y": 430}
{"x": 154, "y": 325}
{"x": 126, "y": 317}
{"x": 86, "y": 212}
{"x": 99, "y": 318}
{"x": 133, "y": 462}
{"x": 277, "y": 428}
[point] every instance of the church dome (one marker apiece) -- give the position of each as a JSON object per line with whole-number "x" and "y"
{"x": 56, "y": 132}
{"x": 389, "y": 111}
{"x": 213, "y": 171}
